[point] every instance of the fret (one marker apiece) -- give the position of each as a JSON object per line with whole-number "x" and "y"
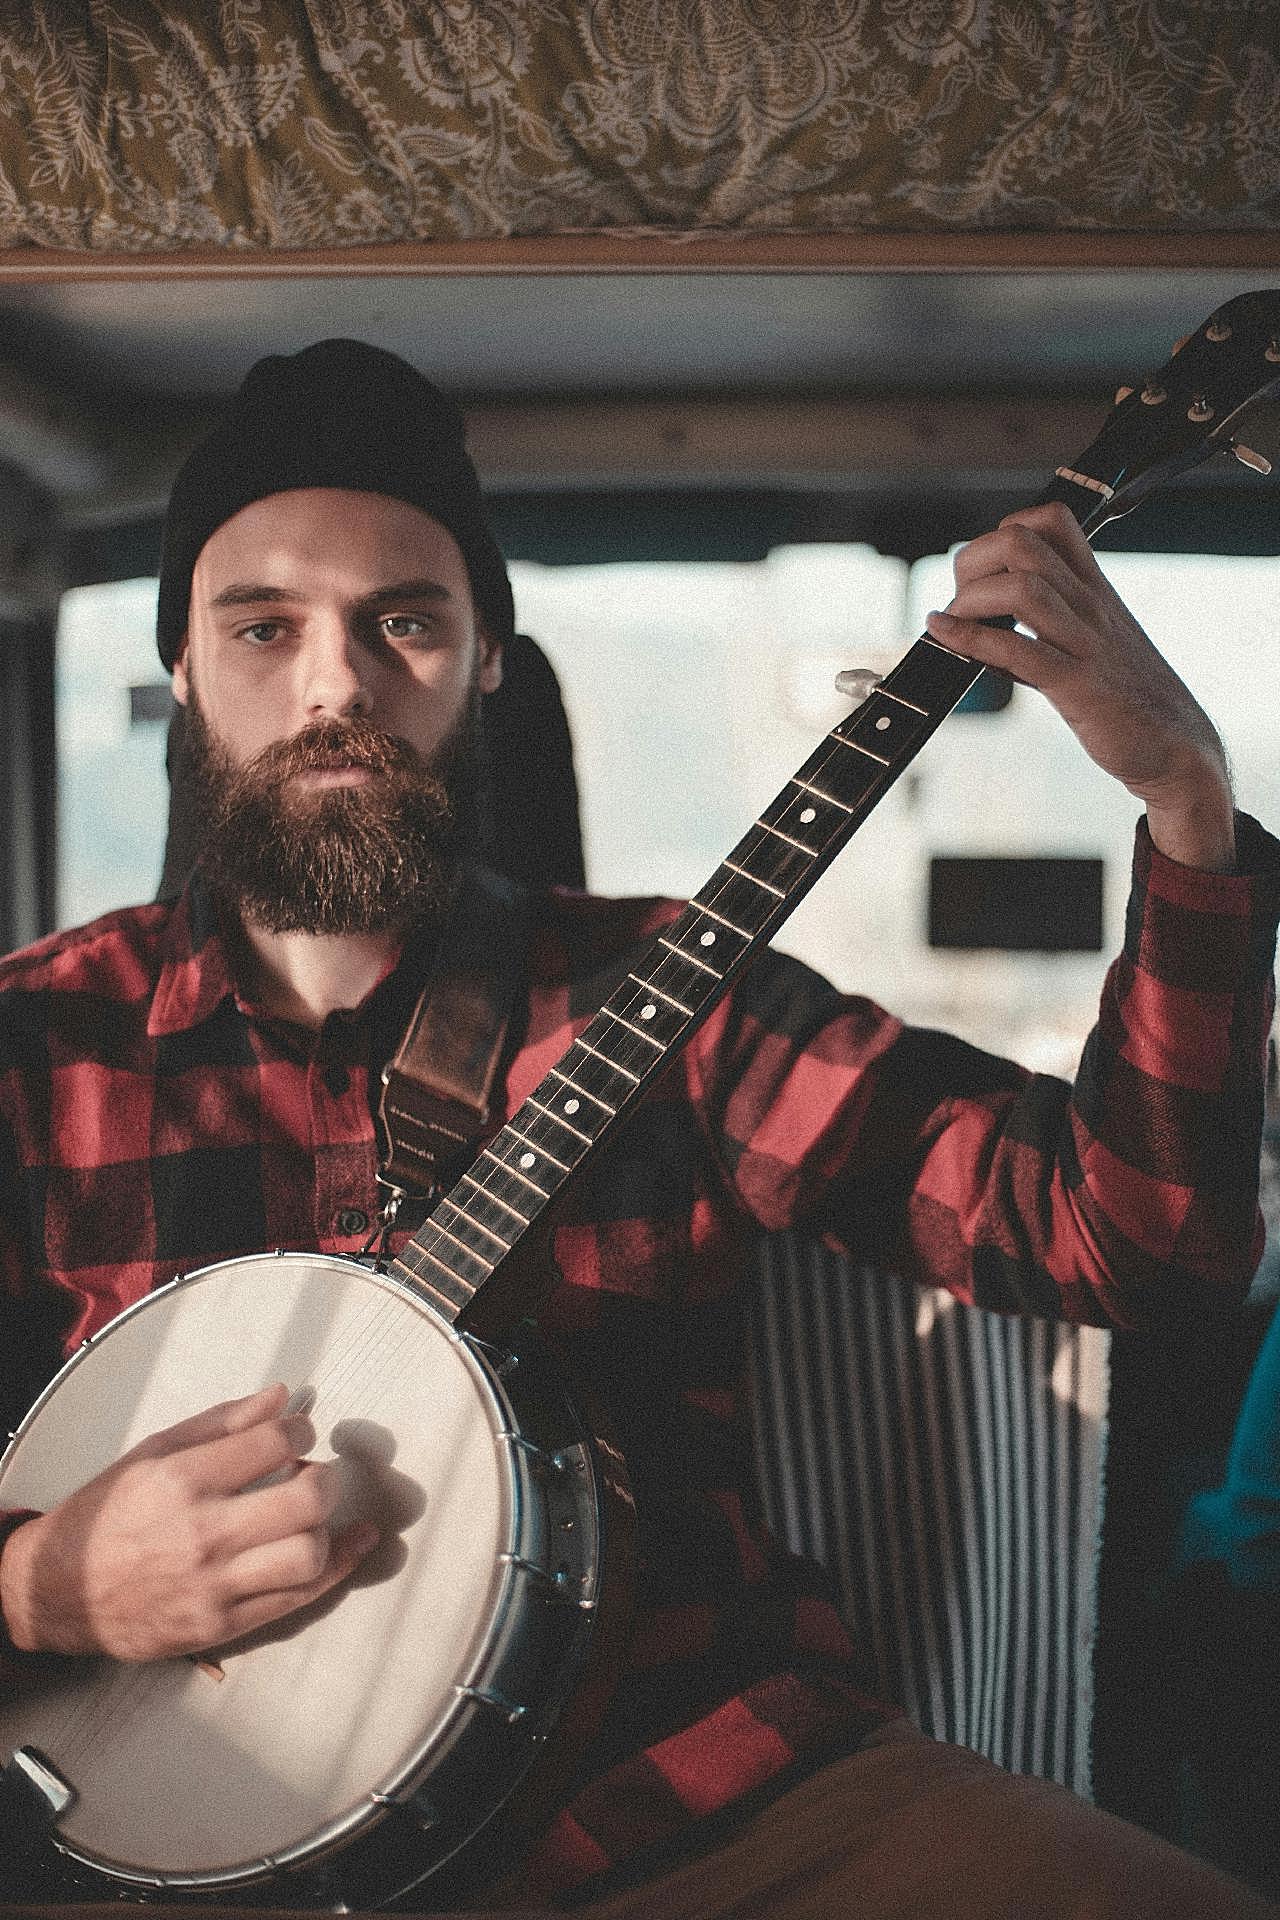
{"x": 670, "y": 975}
{"x": 586, "y": 1138}
{"x": 931, "y": 678}
{"x": 461, "y": 1222}
{"x": 780, "y": 833}
{"x": 626, "y": 1052}
{"x": 778, "y": 863}
{"x": 600, "y": 1053}
{"x": 650, "y": 1039}
{"x": 527, "y": 1135}
{"x": 469, "y": 1180}
{"x": 540, "y": 1126}
{"x": 460, "y": 1289}
{"x": 577, "y": 1093}
{"x": 858, "y": 746}
{"x": 807, "y": 822}
{"x": 816, "y": 793}
{"x": 470, "y": 1267}
{"x": 895, "y": 693}
{"x": 702, "y": 907}
{"x": 845, "y": 779}
{"x": 692, "y": 960}
{"x": 650, "y": 986}
{"x": 736, "y": 901}
{"x": 706, "y": 932}
{"x": 521, "y": 1161}
{"x": 451, "y": 1300}
{"x": 779, "y": 893}
{"x": 457, "y": 1239}
{"x": 591, "y": 1074}
{"x": 654, "y": 1018}
{"x": 881, "y": 726}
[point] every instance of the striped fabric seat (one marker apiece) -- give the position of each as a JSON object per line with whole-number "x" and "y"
{"x": 946, "y": 1465}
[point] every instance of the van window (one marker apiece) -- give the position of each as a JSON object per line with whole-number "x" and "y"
{"x": 112, "y": 705}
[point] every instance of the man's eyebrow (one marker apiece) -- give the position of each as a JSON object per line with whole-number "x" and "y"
{"x": 251, "y": 593}
{"x": 401, "y": 590}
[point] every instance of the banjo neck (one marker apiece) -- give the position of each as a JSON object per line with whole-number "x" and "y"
{"x": 1180, "y": 416}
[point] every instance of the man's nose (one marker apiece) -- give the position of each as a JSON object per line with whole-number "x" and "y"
{"x": 336, "y": 673}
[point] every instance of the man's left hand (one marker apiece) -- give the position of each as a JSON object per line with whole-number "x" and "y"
{"x": 1089, "y": 657}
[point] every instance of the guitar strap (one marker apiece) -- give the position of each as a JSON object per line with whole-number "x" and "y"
{"x": 437, "y": 1090}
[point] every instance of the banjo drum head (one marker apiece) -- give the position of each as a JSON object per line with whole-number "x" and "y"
{"x": 276, "y": 1746}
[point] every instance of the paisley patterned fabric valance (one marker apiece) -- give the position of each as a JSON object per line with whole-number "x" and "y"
{"x": 146, "y": 126}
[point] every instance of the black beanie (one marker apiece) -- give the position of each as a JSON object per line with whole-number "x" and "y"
{"x": 338, "y": 414}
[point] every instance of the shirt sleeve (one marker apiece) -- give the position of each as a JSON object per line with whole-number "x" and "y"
{"x": 1128, "y": 1199}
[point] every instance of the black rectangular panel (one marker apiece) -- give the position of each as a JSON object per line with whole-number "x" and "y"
{"x": 1028, "y": 905}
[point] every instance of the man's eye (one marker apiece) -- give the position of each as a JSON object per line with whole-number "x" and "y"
{"x": 261, "y": 633}
{"x": 404, "y": 626}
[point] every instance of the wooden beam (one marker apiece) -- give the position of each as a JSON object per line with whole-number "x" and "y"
{"x": 694, "y": 251}
{"x": 825, "y": 444}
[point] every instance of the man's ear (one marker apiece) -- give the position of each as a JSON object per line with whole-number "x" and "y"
{"x": 181, "y": 681}
{"x": 490, "y": 660}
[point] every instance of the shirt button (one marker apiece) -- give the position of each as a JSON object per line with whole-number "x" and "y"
{"x": 337, "y": 1080}
{"x": 351, "y": 1220}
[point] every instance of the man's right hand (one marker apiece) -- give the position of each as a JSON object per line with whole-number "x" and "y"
{"x": 175, "y": 1548}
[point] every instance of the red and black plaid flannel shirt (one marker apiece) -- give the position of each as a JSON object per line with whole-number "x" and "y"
{"x": 152, "y": 1123}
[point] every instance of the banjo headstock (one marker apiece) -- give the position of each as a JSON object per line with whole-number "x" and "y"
{"x": 1188, "y": 409}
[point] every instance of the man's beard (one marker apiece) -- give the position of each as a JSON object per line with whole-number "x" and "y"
{"x": 366, "y": 858}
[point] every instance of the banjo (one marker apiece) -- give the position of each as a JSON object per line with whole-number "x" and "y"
{"x": 437, "y": 1700}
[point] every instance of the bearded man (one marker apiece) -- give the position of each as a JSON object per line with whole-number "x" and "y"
{"x": 181, "y": 1084}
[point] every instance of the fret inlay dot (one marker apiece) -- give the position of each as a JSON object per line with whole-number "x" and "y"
{"x": 707, "y": 939}
{"x": 571, "y": 1106}
{"x": 809, "y": 815}
{"x": 882, "y": 723}
{"x": 647, "y": 1013}
{"x": 528, "y": 1160}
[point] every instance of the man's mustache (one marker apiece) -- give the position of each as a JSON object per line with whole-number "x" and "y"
{"x": 329, "y": 745}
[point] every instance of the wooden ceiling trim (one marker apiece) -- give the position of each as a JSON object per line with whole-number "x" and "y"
{"x": 653, "y": 252}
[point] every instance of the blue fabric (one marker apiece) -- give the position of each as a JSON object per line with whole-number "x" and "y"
{"x": 1239, "y": 1521}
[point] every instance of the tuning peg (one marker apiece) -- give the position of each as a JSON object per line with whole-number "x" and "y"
{"x": 858, "y": 683}
{"x": 1248, "y": 458}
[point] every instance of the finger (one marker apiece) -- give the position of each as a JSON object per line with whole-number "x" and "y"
{"x": 1030, "y": 660}
{"x": 235, "y": 1461}
{"x": 229, "y": 1416}
{"x": 297, "y": 1504}
{"x": 1017, "y": 547}
{"x": 1061, "y": 532}
{"x": 263, "y": 1597}
{"x": 281, "y": 1565}
{"x": 1032, "y": 601}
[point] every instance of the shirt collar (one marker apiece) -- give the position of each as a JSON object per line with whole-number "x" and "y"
{"x": 195, "y": 971}
{"x": 196, "y": 975}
